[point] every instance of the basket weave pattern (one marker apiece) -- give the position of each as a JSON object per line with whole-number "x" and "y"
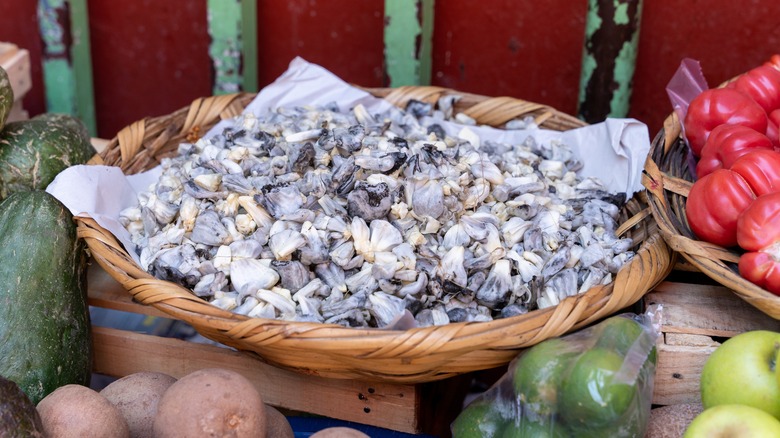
{"x": 668, "y": 181}
{"x": 403, "y": 356}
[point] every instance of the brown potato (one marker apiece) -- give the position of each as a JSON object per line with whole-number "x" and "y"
{"x": 277, "y": 425}
{"x": 339, "y": 432}
{"x": 212, "y": 402}
{"x": 77, "y": 411}
{"x": 136, "y": 396}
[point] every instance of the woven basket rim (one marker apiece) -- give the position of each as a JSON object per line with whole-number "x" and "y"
{"x": 410, "y": 356}
{"x": 667, "y": 180}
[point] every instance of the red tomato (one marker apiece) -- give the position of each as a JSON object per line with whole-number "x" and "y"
{"x": 720, "y": 106}
{"x": 726, "y": 143}
{"x": 762, "y": 269}
{"x": 761, "y": 169}
{"x": 714, "y": 204}
{"x": 758, "y": 233}
{"x": 762, "y": 84}
{"x": 772, "y": 130}
{"x": 758, "y": 227}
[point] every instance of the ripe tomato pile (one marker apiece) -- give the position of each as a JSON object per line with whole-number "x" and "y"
{"x": 735, "y": 200}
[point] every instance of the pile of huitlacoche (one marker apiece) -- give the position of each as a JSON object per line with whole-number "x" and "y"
{"x": 311, "y": 214}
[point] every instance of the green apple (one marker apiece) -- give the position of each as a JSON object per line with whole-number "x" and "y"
{"x": 742, "y": 371}
{"x": 777, "y": 366}
{"x": 734, "y": 421}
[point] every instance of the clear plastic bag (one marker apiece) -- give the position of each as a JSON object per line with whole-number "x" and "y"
{"x": 596, "y": 382}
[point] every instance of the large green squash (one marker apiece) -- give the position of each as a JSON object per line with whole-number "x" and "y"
{"x": 33, "y": 152}
{"x": 45, "y": 333}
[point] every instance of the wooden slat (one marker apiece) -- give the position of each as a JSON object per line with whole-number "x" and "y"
{"x": 707, "y": 310}
{"x": 119, "y": 353}
{"x": 678, "y": 372}
{"x": 692, "y": 315}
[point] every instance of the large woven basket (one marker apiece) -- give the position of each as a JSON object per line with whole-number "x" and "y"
{"x": 668, "y": 180}
{"x": 408, "y": 356}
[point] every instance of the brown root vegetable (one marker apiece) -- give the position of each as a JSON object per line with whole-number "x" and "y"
{"x": 339, "y": 432}
{"x": 212, "y": 402}
{"x": 277, "y": 425}
{"x": 136, "y": 396}
{"x": 77, "y": 411}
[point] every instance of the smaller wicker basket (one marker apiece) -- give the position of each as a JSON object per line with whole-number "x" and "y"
{"x": 403, "y": 356}
{"x": 668, "y": 180}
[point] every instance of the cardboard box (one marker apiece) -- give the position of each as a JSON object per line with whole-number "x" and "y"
{"x": 16, "y": 62}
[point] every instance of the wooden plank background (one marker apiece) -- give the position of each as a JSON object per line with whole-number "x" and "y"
{"x": 149, "y": 57}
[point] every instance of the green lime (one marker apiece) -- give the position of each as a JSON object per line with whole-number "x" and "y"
{"x": 539, "y": 371}
{"x": 479, "y": 419}
{"x": 589, "y": 396}
{"x": 632, "y": 425}
{"x": 533, "y": 429}
{"x": 619, "y": 333}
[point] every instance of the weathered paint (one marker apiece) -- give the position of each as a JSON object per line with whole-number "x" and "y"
{"x": 54, "y": 24}
{"x": 625, "y": 66}
{"x": 82, "y": 64}
{"x": 426, "y": 42}
{"x": 402, "y": 29}
{"x": 249, "y": 45}
{"x": 408, "y": 41}
{"x": 609, "y": 58}
{"x": 224, "y": 27}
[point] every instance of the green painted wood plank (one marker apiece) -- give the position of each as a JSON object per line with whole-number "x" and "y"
{"x": 59, "y": 83}
{"x": 249, "y": 45}
{"x": 609, "y": 58}
{"x": 82, "y": 64}
{"x": 224, "y": 27}
{"x": 406, "y": 63}
{"x": 426, "y": 42}
{"x": 66, "y": 59}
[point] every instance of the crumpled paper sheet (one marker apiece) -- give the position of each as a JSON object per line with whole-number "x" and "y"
{"x": 614, "y": 150}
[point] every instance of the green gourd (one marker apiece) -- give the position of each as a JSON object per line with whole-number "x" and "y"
{"x": 45, "y": 332}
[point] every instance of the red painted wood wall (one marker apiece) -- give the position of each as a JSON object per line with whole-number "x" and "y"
{"x": 151, "y": 57}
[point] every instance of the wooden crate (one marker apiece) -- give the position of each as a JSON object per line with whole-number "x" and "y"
{"x": 16, "y": 62}
{"x": 696, "y": 319}
{"x": 425, "y": 408}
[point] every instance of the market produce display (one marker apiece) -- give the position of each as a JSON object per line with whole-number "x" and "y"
{"x": 596, "y": 382}
{"x": 732, "y": 131}
{"x": 45, "y": 339}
